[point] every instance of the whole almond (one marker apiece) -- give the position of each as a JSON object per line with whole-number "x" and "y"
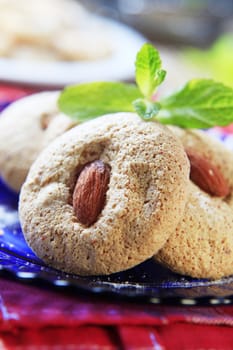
{"x": 90, "y": 192}
{"x": 206, "y": 175}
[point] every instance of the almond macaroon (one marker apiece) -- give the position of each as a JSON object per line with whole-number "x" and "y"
{"x": 201, "y": 245}
{"x": 26, "y": 127}
{"x": 105, "y": 196}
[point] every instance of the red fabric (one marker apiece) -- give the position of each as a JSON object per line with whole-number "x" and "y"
{"x": 88, "y": 337}
{"x": 193, "y": 337}
{"x": 227, "y": 129}
{"x": 33, "y": 318}
{"x": 11, "y": 93}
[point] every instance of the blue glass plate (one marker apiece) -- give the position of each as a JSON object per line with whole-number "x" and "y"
{"x": 148, "y": 282}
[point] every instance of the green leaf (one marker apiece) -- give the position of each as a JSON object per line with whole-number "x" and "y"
{"x": 148, "y": 70}
{"x": 202, "y": 103}
{"x": 87, "y": 101}
{"x": 147, "y": 110}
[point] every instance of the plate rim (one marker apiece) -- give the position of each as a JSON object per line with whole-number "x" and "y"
{"x": 103, "y": 289}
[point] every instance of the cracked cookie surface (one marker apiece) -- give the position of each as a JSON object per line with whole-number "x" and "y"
{"x": 146, "y": 194}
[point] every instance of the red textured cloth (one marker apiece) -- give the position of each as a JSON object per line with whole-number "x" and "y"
{"x": 34, "y": 318}
{"x": 41, "y": 319}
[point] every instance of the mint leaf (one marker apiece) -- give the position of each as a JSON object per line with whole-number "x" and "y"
{"x": 148, "y": 70}
{"x": 87, "y": 101}
{"x": 202, "y": 103}
{"x": 146, "y": 110}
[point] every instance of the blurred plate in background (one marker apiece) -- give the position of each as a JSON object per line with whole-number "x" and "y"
{"x": 119, "y": 66}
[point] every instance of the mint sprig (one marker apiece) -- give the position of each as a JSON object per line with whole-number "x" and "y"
{"x": 149, "y": 74}
{"x": 202, "y": 103}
